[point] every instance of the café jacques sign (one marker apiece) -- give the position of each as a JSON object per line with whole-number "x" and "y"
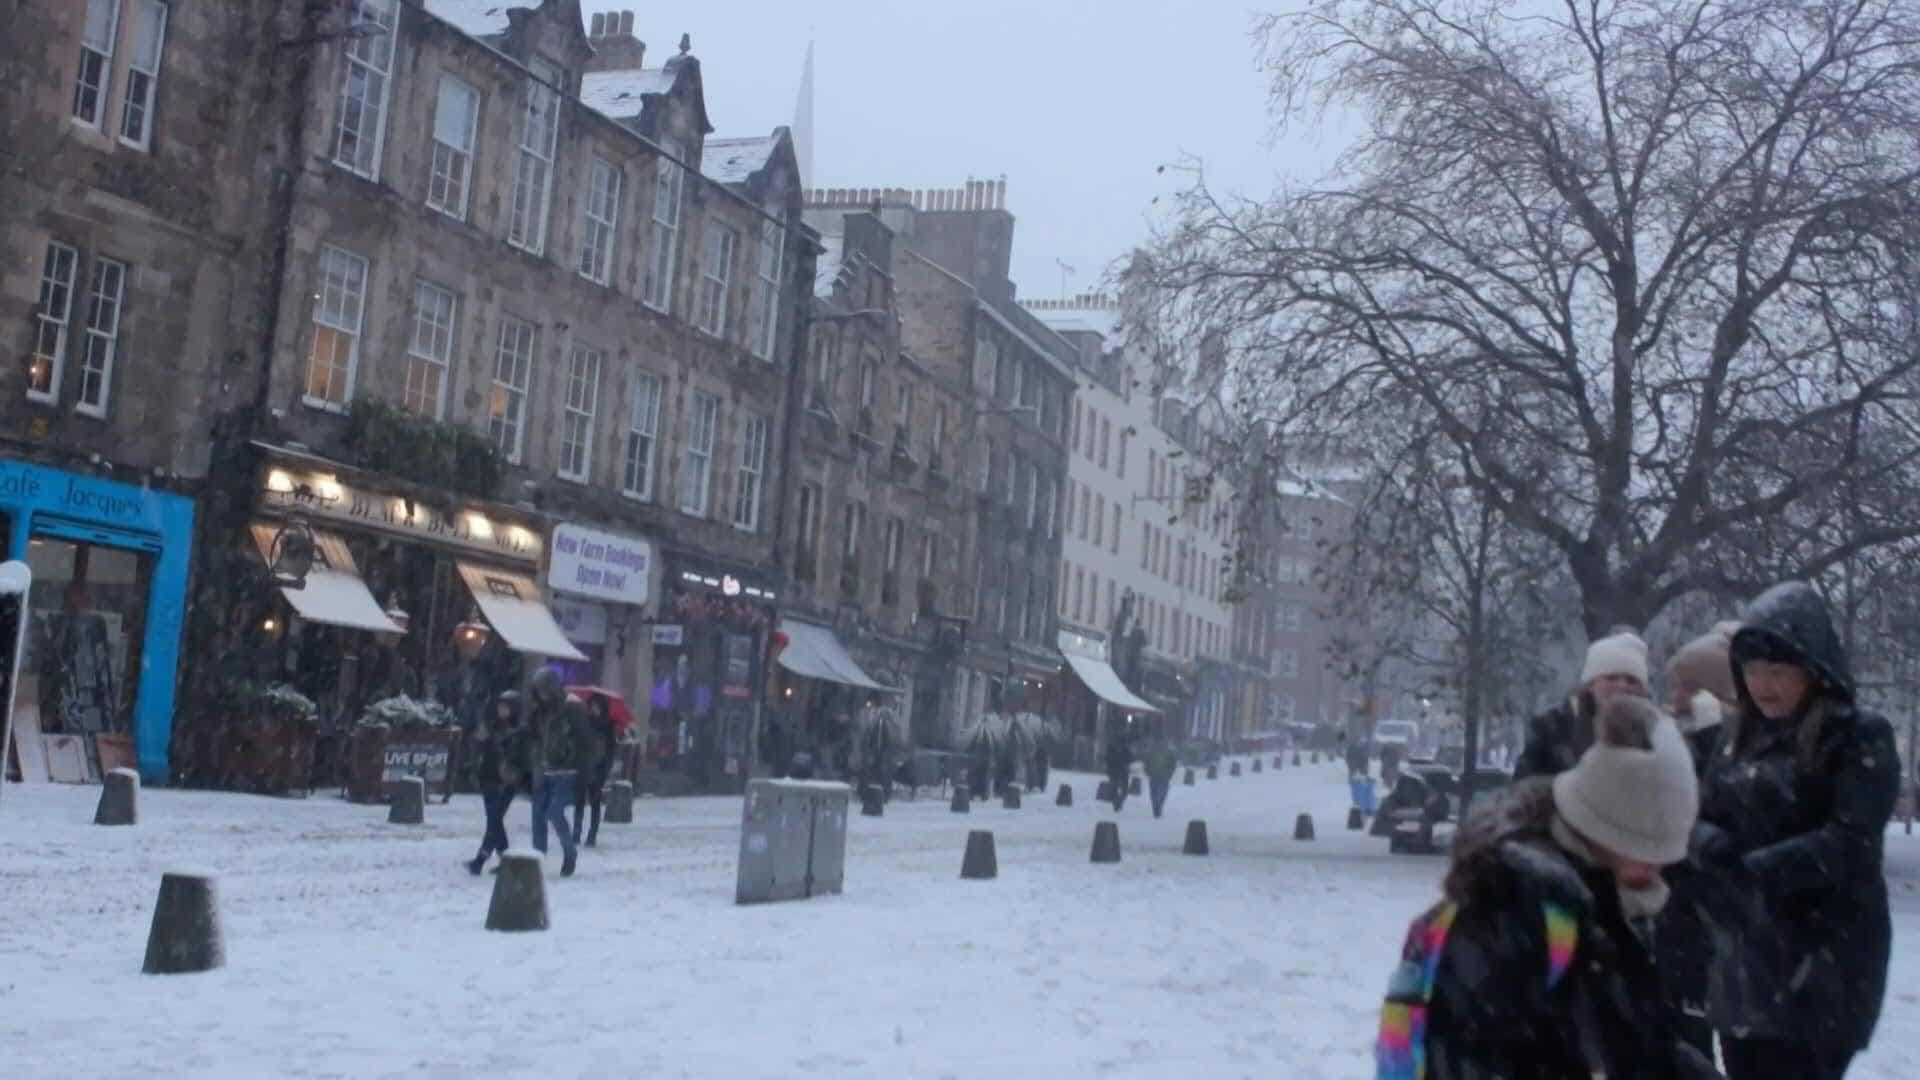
{"x": 600, "y": 565}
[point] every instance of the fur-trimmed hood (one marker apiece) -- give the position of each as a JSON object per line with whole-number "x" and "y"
{"x": 1509, "y": 834}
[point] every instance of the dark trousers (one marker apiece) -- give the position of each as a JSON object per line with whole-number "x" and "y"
{"x": 1157, "y": 788}
{"x": 1777, "y": 1059}
{"x": 496, "y": 801}
{"x": 587, "y": 795}
{"x": 1118, "y": 782}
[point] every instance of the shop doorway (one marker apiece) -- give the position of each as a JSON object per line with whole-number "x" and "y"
{"x": 88, "y": 609}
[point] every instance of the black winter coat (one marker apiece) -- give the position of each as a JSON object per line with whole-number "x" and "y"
{"x": 1793, "y": 820}
{"x": 1556, "y": 738}
{"x": 1493, "y": 1016}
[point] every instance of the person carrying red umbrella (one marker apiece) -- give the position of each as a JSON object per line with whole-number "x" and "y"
{"x": 608, "y": 717}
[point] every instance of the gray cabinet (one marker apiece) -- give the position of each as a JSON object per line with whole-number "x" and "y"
{"x": 793, "y": 840}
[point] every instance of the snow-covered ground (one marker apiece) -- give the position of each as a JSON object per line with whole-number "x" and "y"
{"x": 356, "y": 948}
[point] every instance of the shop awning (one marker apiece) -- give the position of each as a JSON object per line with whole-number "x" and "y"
{"x": 334, "y": 593}
{"x": 814, "y": 651}
{"x": 1105, "y": 682}
{"x": 511, "y": 604}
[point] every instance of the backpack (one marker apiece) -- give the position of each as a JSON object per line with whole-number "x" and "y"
{"x": 1401, "y": 1051}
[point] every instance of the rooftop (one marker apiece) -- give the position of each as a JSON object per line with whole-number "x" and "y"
{"x": 827, "y": 266}
{"x": 621, "y": 94}
{"x": 475, "y": 18}
{"x": 734, "y": 161}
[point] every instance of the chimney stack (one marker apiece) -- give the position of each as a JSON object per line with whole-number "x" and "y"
{"x": 614, "y": 46}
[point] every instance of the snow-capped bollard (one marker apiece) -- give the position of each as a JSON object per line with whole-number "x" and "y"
{"x": 1188, "y": 779}
{"x": 1233, "y": 769}
{"x": 1196, "y": 839}
{"x": 1256, "y": 764}
{"x": 1355, "y": 819}
{"x": 1303, "y": 827}
{"x": 1010, "y": 798}
{"x": 185, "y": 936}
{"x": 1278, "y": 761}
{"x": 620, "y": 803}
{"x": 409, "y": 806}
{"x": 872, "y": 802}
{"x": 1104, "y": 793}
{"x": 1066, "y": 796}
{"x": 1213, "y": 772}
{"x": 519, "y": 894}
{"x": 979, "y": 864}
{"x": 1133, "y": 785}
{"x": 961, "y": 799}
{"x": 1296, "y": 759}
{"x": 1106, "y": 842}
{"x": 1316, "y": 757}
{"x": 119, "y": 798}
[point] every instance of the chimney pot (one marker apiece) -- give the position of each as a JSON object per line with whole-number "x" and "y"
{"x": 626, "y": 22}
{"x": 598, "y": 28}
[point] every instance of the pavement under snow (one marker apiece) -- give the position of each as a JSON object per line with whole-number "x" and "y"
{"x": 356, "y": 948}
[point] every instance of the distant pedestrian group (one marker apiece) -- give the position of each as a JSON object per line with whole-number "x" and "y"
{"x": 1658, "y": 885}
{"x": 559, "y": 751}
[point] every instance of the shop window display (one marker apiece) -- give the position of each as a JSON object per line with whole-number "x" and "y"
{"x": 88, "y": 608}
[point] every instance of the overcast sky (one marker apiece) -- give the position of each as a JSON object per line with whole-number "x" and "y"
{"x": 1076, "y": 102}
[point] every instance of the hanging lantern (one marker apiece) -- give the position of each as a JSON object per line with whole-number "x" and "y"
{"x": 471, "y": 636}
{"x": 398, "y": 616}
{"x": 293, "y": 554}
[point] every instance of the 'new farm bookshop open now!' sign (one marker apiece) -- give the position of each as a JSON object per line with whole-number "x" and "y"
{"x": 587, "y": 562}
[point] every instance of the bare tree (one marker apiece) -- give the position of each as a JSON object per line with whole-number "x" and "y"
{"x": 1676, "y": 237}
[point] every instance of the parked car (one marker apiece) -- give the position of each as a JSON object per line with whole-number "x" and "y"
{"x": 1420, "y": 814}
{"x": 1400, "y": 733}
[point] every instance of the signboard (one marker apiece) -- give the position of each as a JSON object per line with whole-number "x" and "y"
{"x": 669, "y": 635}
{"x": 320, "y": 496}
{"x": 736, "y": 666}
{"x": 425, "y": 759}
{"x": 601, "y": 565}
{"x": 583, "y": 622}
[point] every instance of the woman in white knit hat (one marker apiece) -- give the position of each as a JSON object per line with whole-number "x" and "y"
{"x": 1537, "y": 963}
{"x": 1616, "y": 666}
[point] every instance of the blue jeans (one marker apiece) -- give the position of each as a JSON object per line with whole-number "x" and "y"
{"x": 1363, "y": 795}
{"x": 551, "y": 797}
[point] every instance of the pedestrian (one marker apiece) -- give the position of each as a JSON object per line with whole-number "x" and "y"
{"x": 1701, "y": 687}
{"x": 1615, "y": 665}
{"x": 498, "y": 741}
{"x": 598, "y": 743}
{"x": 553, "y": 763}
{"x": 1042, "y": 762}
{"x": 1119, "y": 765}
{"x": 1794, "y": 810}
{"x": 1160, "y": 763}
{"x": 1535, "y": 964}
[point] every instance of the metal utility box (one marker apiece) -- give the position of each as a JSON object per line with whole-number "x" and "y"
{"x": 793, "y": 840}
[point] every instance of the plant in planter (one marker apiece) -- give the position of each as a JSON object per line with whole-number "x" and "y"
{"x": 283, "y": 700}
{"x": 401, "y": 711}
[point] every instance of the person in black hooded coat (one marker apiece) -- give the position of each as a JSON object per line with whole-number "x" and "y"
{"x": 1794, "y": 807}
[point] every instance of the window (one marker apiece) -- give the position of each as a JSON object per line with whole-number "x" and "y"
{"x": 986, "y": 365}
{"x": 869, "y": 378}
{"x": 715, "y": 272}
{"x": 929, "y": 554}
{"x": 1049, "y": 507}
{"x": 1286, "y": 663}
{"x": 96, "y": 61}
{"x": 363, "y": 97}
{"x": 1077, "y": 607}
{"x": 1099, "y": 520}
{"x": 430, "y": 352}
{"x": 1146, "y": 543}
{"x": 643, "y": 426}
{"x": 337, "y": 308}
{"x": 533, "y": 172}
{"x": 576, "y": 422}
{"x": 1106, "y": 440}
{"x": 1018, "y": 394}
{"x": 1022, "y": 492}
{"x": 1086, "y": 510}
{"x": 143, "y": 74}
{"x": 903, "y": 404}
{"x": 753, "y": 470}
{"x": 1121, "y": 465}
{"x": 1116, "y": 528}
{"x": 896, "y": 537}
{"x": 1076, "y": 421}
{"x": 939, "y": 429}
{"x": 601, "y": 217}
{"x": 507, "y": 406}
{"x": 103, "y": 333}
{"x": 856, "y": 523}
{"x": 809, "y": 532}
{"x": 1036, "y": 499}
{"x": 826, "y": 372}
{"x": 51, "y": 316}
{"x": 702, "y": 419}
{"x": 773, "y": 241}
{"x": 456, "y": 117}
{"x": 666, "y": 230}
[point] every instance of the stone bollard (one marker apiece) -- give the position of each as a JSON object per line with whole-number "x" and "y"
{"x": 1316, "y": 757}
{"x": 1303, "y": 827}
{"x": 1066, "y": 796}
{"x": 1213, "y": 772}
{"x": 1278, "y": 761}
{"x": 1133, "y": 785}
{"x": 872, "y": 804}
{"x": 409, "y": 806}
{"x": 1010, "y": 798}
{"x": 1296, "y": 759}
{"x": 1355, "y": 819}
{"x": 1104, "y": 793}
{"x": 185, "y": 936}
{"x": 1106, "y": 842}
{"x": 979, "y": 864}
{"x": 1233, "y": 769}
{"x": 1256, "y": 764}
{"x": 1196, "y": 839}
{"x": 519, "y": 894}
{"x": 961, "y": 799}
{"x": 119, "y": 799}
{"x": 1188, "y": 780}
{"x": 620, "y": 803}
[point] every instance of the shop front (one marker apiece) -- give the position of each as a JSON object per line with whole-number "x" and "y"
{"x": 372, "y": 600}
{"x": 710, "y": 642}
{"x": 1096, "y": 699}
{"x": 110, "y": 565}
{"x": 824, "y": 697}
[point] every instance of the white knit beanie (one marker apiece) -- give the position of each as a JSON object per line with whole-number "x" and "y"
{"x": 1633, "y": 792}
{"x": 1616, "y": 654}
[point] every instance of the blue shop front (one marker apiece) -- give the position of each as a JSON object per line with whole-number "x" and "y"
{"x": 109, "y": 563}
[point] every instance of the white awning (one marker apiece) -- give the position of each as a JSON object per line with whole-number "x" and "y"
{"x": 1103, "y": 680}
{"x": 815, "y": 652}
{"x": 510, "y": 601}
{"x": 334, "y": 593}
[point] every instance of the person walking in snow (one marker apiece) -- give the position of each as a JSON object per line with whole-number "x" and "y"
{"x": 1535, "y": 965}
{"x": 498, "y": 741}
{"x": 1119, "y": 764}
{"x": 598, "y": 744}
{"x": 1616, "y": 665}
{"x": 1794, "y": 809}
{"x": 553, "y": 762}
{"x": 1160, "y": 762}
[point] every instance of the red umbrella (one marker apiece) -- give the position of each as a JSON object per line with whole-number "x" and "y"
{"x": 616, "y": 705}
